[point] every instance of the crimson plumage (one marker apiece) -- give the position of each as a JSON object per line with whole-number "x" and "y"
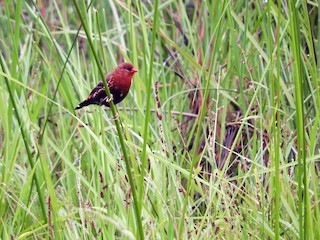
{"x": 119, "y": 82}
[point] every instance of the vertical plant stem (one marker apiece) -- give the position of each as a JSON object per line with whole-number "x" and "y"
{"x": 148, "y": 105}
{"x": 275, "y": 102}
{"x": 117, "y": 123}
{"x": 298, "y": 81}
{"x": 277, "y": 130}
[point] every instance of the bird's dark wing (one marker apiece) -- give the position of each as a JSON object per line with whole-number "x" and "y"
{"x": 96, "y": 91}
{"x": 97, "y": 95}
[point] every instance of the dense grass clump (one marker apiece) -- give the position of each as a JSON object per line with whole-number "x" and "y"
{"x": 217, "y": 138}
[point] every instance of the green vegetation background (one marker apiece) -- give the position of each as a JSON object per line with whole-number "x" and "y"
{"x": 218, "y": 137}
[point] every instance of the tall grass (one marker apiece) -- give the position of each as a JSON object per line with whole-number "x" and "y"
{"x": 218, "y": 137}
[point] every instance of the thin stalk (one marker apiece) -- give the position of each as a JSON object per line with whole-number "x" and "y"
{"x": 148, "y": 105}
{"x": 298, "y": 80}
{"x": 277, "y": 125}
{"x": 117, "y": 123}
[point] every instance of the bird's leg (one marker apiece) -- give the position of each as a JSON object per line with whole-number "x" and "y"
{"x": 106, "y": 99}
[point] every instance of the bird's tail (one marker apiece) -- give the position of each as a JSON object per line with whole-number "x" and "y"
{"x": 83, "y": 104}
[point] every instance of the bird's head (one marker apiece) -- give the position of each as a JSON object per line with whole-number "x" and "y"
{"x": 126, "y": 69}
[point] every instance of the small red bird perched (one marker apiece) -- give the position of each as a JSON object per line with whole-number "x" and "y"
{"x": 119, "y": 82}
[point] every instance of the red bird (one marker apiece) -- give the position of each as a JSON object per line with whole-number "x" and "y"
{"x": 119, "y": 82}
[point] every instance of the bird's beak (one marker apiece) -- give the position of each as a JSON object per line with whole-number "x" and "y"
{"x": 134, "y": 70}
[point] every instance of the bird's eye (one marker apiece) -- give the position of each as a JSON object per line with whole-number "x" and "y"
{"x": 129, "y": 69}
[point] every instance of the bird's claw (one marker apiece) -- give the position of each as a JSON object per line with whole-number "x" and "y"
{"x": 116, "y": 117}
{"x": 106, "y": 99}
